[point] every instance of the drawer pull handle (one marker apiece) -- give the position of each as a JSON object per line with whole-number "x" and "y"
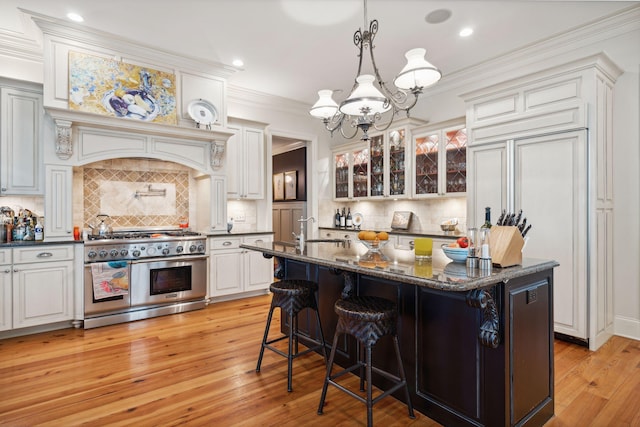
{"x": 45, "y": 255}
{"x": 227, "y": 243}
{"x": 259, "y": 241}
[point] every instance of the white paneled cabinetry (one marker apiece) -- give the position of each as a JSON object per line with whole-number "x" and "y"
{"x": 235, "y": 272}
{"x": 543, "y": 144}
{"x": 21, "y": 153}
{"x": 245, "y": 162}
{"x": 36, "y": 285}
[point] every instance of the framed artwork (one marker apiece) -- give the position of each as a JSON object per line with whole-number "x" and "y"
{"x": 278, "y": 186}
{"x": 104, "y": 86}
{"x": 401, "y": 220}
{"x": 290, "y": 185}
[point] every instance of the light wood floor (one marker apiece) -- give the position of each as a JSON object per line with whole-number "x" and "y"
{"x": 198, "y": 368}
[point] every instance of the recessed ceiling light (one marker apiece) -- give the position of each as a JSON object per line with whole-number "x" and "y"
{"x": 438, "y": 16}
{"x": 75, "y": 17}
{"x": 466, "y": 32}
{"x": 238, "y": 63}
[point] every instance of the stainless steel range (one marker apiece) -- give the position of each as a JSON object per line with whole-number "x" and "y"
{"x": 131, "y": 275}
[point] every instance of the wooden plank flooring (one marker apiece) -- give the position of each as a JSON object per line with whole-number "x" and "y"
{"x": 198, "y": 369}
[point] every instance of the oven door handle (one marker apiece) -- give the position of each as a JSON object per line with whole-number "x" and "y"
{"x": 173, "y": 258}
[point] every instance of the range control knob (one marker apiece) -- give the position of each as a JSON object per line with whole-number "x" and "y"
{"x": 103, "y": 253}
{"x": 150, "y": 250}
{"x": 165, "y": 251}
{"x": 113, "y": 253}
{"x": 135, "y": 253}
{"x": 92, "y": 254}
{"x": 179, "y": 249}
{"x": 200, "y": 248}
{"x": 124, "y": 252}
{"x": 192, "y": 248}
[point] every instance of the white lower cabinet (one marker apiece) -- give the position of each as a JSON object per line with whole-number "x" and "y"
{"x": 37, "y": 287}
{"x": 6, "y": 304}
{"x": 234, "y": 271}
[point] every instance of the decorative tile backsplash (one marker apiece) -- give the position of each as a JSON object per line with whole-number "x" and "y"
{"x": 143, "y": 193}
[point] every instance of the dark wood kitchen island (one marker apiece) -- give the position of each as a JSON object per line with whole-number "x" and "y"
{"x": 477, "y": 348}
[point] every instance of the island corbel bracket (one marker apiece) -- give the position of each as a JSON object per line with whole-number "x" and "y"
{"x": 349, "y": 281}
{"x": 217, "y": 152}
{"x": 489, "y": 334}
{"x": 64, "y": 143}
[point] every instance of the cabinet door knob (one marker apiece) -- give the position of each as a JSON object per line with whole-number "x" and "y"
{"x": 8, "y": 270}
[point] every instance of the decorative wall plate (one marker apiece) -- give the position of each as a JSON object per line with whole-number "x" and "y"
{"x": 357, "y": 219}
{"x": 202, "y": 112}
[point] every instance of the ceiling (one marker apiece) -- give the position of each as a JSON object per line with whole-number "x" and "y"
{"x": 292, "y": 48}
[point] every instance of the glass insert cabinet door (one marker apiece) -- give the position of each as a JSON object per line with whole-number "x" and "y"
{"x": 377, "y": 165}
{"x": 387, "y": 176}
{"x": 441, "y": 162}
{"x": 456, "y": 160}
{"x": 361, "y": 173}
{"x": 342, "y": 176}
{"x": 397, "y": 149}
{"x": 427, "y": 153}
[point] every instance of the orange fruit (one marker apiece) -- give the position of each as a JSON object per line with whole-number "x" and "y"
{"x": 370, "y": 235}
{"x": 383, "y": 235}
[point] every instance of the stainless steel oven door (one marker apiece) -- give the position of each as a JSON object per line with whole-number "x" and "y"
{"x": 95, "y": 306}
{"x": 168, "y": 280}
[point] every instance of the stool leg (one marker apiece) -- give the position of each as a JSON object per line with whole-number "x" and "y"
{"x": 361, "y": 356}
{"x": 369, "y": 388}
{"x": 264, "y": 339}
{"x": 402, "y": 376}
{"x": 292, "y": 336}
{"x": 328, "y": 376}
{"x": 324, "y": 344}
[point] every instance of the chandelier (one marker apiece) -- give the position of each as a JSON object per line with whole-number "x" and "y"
{"x": 370, "y": 96}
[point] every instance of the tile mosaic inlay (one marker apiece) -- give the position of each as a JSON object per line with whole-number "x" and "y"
{"x": 113, "y": 192}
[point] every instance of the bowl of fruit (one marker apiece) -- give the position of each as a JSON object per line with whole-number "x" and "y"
{"x": 457, "y": 251}
{"x": 372, "y": 240}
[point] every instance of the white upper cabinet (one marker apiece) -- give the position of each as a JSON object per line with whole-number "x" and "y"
{"x": 440, "y": 159}
{"x": 21, "y": 153}
{"x": 246, "y": 163}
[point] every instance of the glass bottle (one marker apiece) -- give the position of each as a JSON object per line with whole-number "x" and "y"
{"x": 349, "y": 220}
{"x": 487, "y": 218}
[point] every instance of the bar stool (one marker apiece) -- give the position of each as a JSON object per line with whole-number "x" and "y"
{"x": 292, "y": 296}
{"x": 367, "y": 319}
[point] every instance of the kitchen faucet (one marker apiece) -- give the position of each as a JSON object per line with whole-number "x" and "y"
{"x": 300, "y": 237}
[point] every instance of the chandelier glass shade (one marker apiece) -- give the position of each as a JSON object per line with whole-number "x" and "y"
{"x": 370, "y": 97}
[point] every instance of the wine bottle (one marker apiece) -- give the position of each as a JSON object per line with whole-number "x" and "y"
{"x": 343, "y": 219}
{"x": 336, "y": 218}
{"x": 487, "y": 218}
{"x": 349, "y": 220}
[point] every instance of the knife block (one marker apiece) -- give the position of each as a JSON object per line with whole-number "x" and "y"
{"x": 506, "y": 246}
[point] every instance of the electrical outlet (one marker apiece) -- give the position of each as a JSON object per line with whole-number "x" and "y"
{"x": 532, "y": 295}
{"x": 240, "y": 217}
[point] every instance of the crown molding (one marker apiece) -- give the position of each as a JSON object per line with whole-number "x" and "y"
{"x": 16, "y": 46}
{"x": 58, "y": 28}
{"x": 553, "y": 51}
{"x": 253, "y": 98}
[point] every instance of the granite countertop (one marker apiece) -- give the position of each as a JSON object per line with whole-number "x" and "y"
{"x": 396, "y": 232}
{"x": 26, "y": 243}
{"x": 398, "y": 264}
{"x": 236, "y": 233}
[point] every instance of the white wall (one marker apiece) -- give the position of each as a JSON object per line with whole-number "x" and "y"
{"x": 626, "y": 179}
